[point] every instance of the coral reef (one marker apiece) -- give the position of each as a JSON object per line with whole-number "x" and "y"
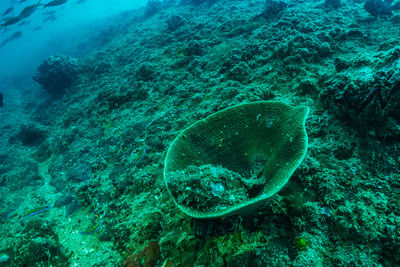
{"x": 152, "y": 7}
{"x": 368, "y": 101}
{"x": 333, "y": 3}
{"x": 57, "y": 73}
{"x": 147, "y": 257}
{"x": 272, "y": 8}
{"x": 29, "y": 135}
{"x": 175, "y": 22}
{"x": 97, "y": 156}
{"x": 43, "y": 248}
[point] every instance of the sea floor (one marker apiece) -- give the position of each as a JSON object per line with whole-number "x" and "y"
{"x": 81, "y": 175}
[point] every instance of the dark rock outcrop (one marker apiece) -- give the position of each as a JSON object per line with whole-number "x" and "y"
{"x": 57, "y": 73}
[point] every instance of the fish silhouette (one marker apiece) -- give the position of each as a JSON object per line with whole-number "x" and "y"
{"x": 55, "y": 3}
{"x": 29, "y": 10}
{"x": 14, "y": 36}
{"x": 49, "y": 18}
{"x": 10, "y": 21}
{"x": 8, "y": 11}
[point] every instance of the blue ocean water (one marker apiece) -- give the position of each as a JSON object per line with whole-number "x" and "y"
{"x": 49, "y": 30}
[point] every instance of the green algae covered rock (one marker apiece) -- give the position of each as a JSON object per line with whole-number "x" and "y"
{"x": 232, "y": 161}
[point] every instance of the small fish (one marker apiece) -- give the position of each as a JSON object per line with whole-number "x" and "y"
{"x": 36, "y": 211}
{"x": 37, "y": 28}
{"x": 10, "y": 21}
{"x": 149, "y": 122}
{"x": 141, "y": 155}
{"x": 49, "y": 18}
{"x": 1, "y": 100}
{"x": 128, "y": 150}
{"x": 24, "y": 22}
{"x": 29, "y": 10}
{"x": 22, "y": 1}
{"x": 94, "y": 229}
{"x": 15, "y": 36}
{"x": 51, "y": 12}
{"x": 55, "y": 3}
{"x": 8, "y": 11}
